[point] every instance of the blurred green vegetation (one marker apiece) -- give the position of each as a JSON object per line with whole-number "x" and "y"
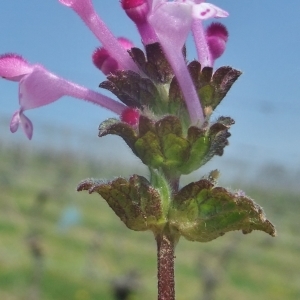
{"x": 44, "y": 256}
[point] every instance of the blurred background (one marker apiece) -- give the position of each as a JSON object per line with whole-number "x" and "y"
{"x": 56, "y": 243}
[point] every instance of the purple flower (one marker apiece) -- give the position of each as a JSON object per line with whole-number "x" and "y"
{"x": 166, "y": 22}
{"x": 159, "y": 21}
{"x": 39, "y": 87}
{"x": 138, "y": 11}
{"x": 172, "y": 21}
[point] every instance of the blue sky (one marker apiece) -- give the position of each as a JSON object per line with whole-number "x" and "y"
{"x": 264, "y": 43}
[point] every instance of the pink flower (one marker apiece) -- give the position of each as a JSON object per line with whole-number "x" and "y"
{"x": 39, "y": 87}
{"x": 172, "y": 22}
{"x": 166, "y": 22}
{"x": 206, "y": 53}
{"x": 138, "y": 11}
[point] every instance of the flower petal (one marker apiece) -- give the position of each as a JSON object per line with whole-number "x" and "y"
{"x": 13, "y": 67}
{"x": 19, "y": 118}
{"x": 15, "y": 121}
{"x": 172, "y": 22}
{"x": 40, "y": 88}
{"x": 67, "y": 2}
{"x": 26, "y": 126}
{"x": 205, "y": 11}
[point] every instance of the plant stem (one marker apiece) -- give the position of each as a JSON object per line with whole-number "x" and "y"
{"x": 165, "y": 266}
{"x": 166, "y": 242}
{"x": 174, "y": 183}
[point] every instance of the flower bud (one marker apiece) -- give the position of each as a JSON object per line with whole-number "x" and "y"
{"x": 136, "y": 10}
{"x": 217, "y": 36}
{"x": 104, "y": 61}
{"x": 130, "y": 116}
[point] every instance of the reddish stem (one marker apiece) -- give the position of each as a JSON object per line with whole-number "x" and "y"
{"x": 165, "y": 267}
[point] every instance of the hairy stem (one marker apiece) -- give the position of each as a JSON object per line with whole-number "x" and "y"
{"x": 165, "y": 266}
{"x": 174, "y": 183}
{"x": 166, "y": 242}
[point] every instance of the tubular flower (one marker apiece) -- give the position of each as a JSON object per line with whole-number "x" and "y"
{"x": 163, "y": 25}
{"x": 39, "y": 87}
{"x": 159, "y": 21}
{"x": 138, "y": 11}
{"x": 203, "y": 11}
{"x": 172, "y": 21}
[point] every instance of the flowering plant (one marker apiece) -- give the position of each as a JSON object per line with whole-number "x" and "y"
{"x": 165, "y": 117}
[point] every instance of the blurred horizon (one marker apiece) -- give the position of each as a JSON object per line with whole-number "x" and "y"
{"x": 235, "y": 171}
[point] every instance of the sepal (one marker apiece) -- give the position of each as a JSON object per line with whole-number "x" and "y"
{"x": 202, "y": 212}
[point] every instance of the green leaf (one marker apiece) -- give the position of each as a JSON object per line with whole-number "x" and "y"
{"x": 163, "y": 145}
{"x": 159, "y": 182}
{"x": 135, "y": 201}
{"x": 174, "y": 146}
{"x": 177, "y": 105}
{"x": 200, "y": 145}
{"x": 149, "y": 151}
{"x": 206, "y": 143}
{"x": 212, "y": 88}
{"x": 206, "y": 94}
{"x": 202, "y": 212}
{"x": 124, "y": 130}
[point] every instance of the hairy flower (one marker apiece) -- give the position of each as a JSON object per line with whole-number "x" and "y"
{"x": 130, "y": 116}
{"x": 172, "y": 21}
{"x": 39, "y": 87}
{"x": 216, "y": 36}
{"x": 166, "y": 22}
{"x": 162, "y": 21}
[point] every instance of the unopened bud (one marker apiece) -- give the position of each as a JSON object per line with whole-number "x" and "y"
{"x": 130, "y": 116}
{"x": 104, "y": 61}
{"x": 136, "y": 10}
{"x": 217, "y": 36}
